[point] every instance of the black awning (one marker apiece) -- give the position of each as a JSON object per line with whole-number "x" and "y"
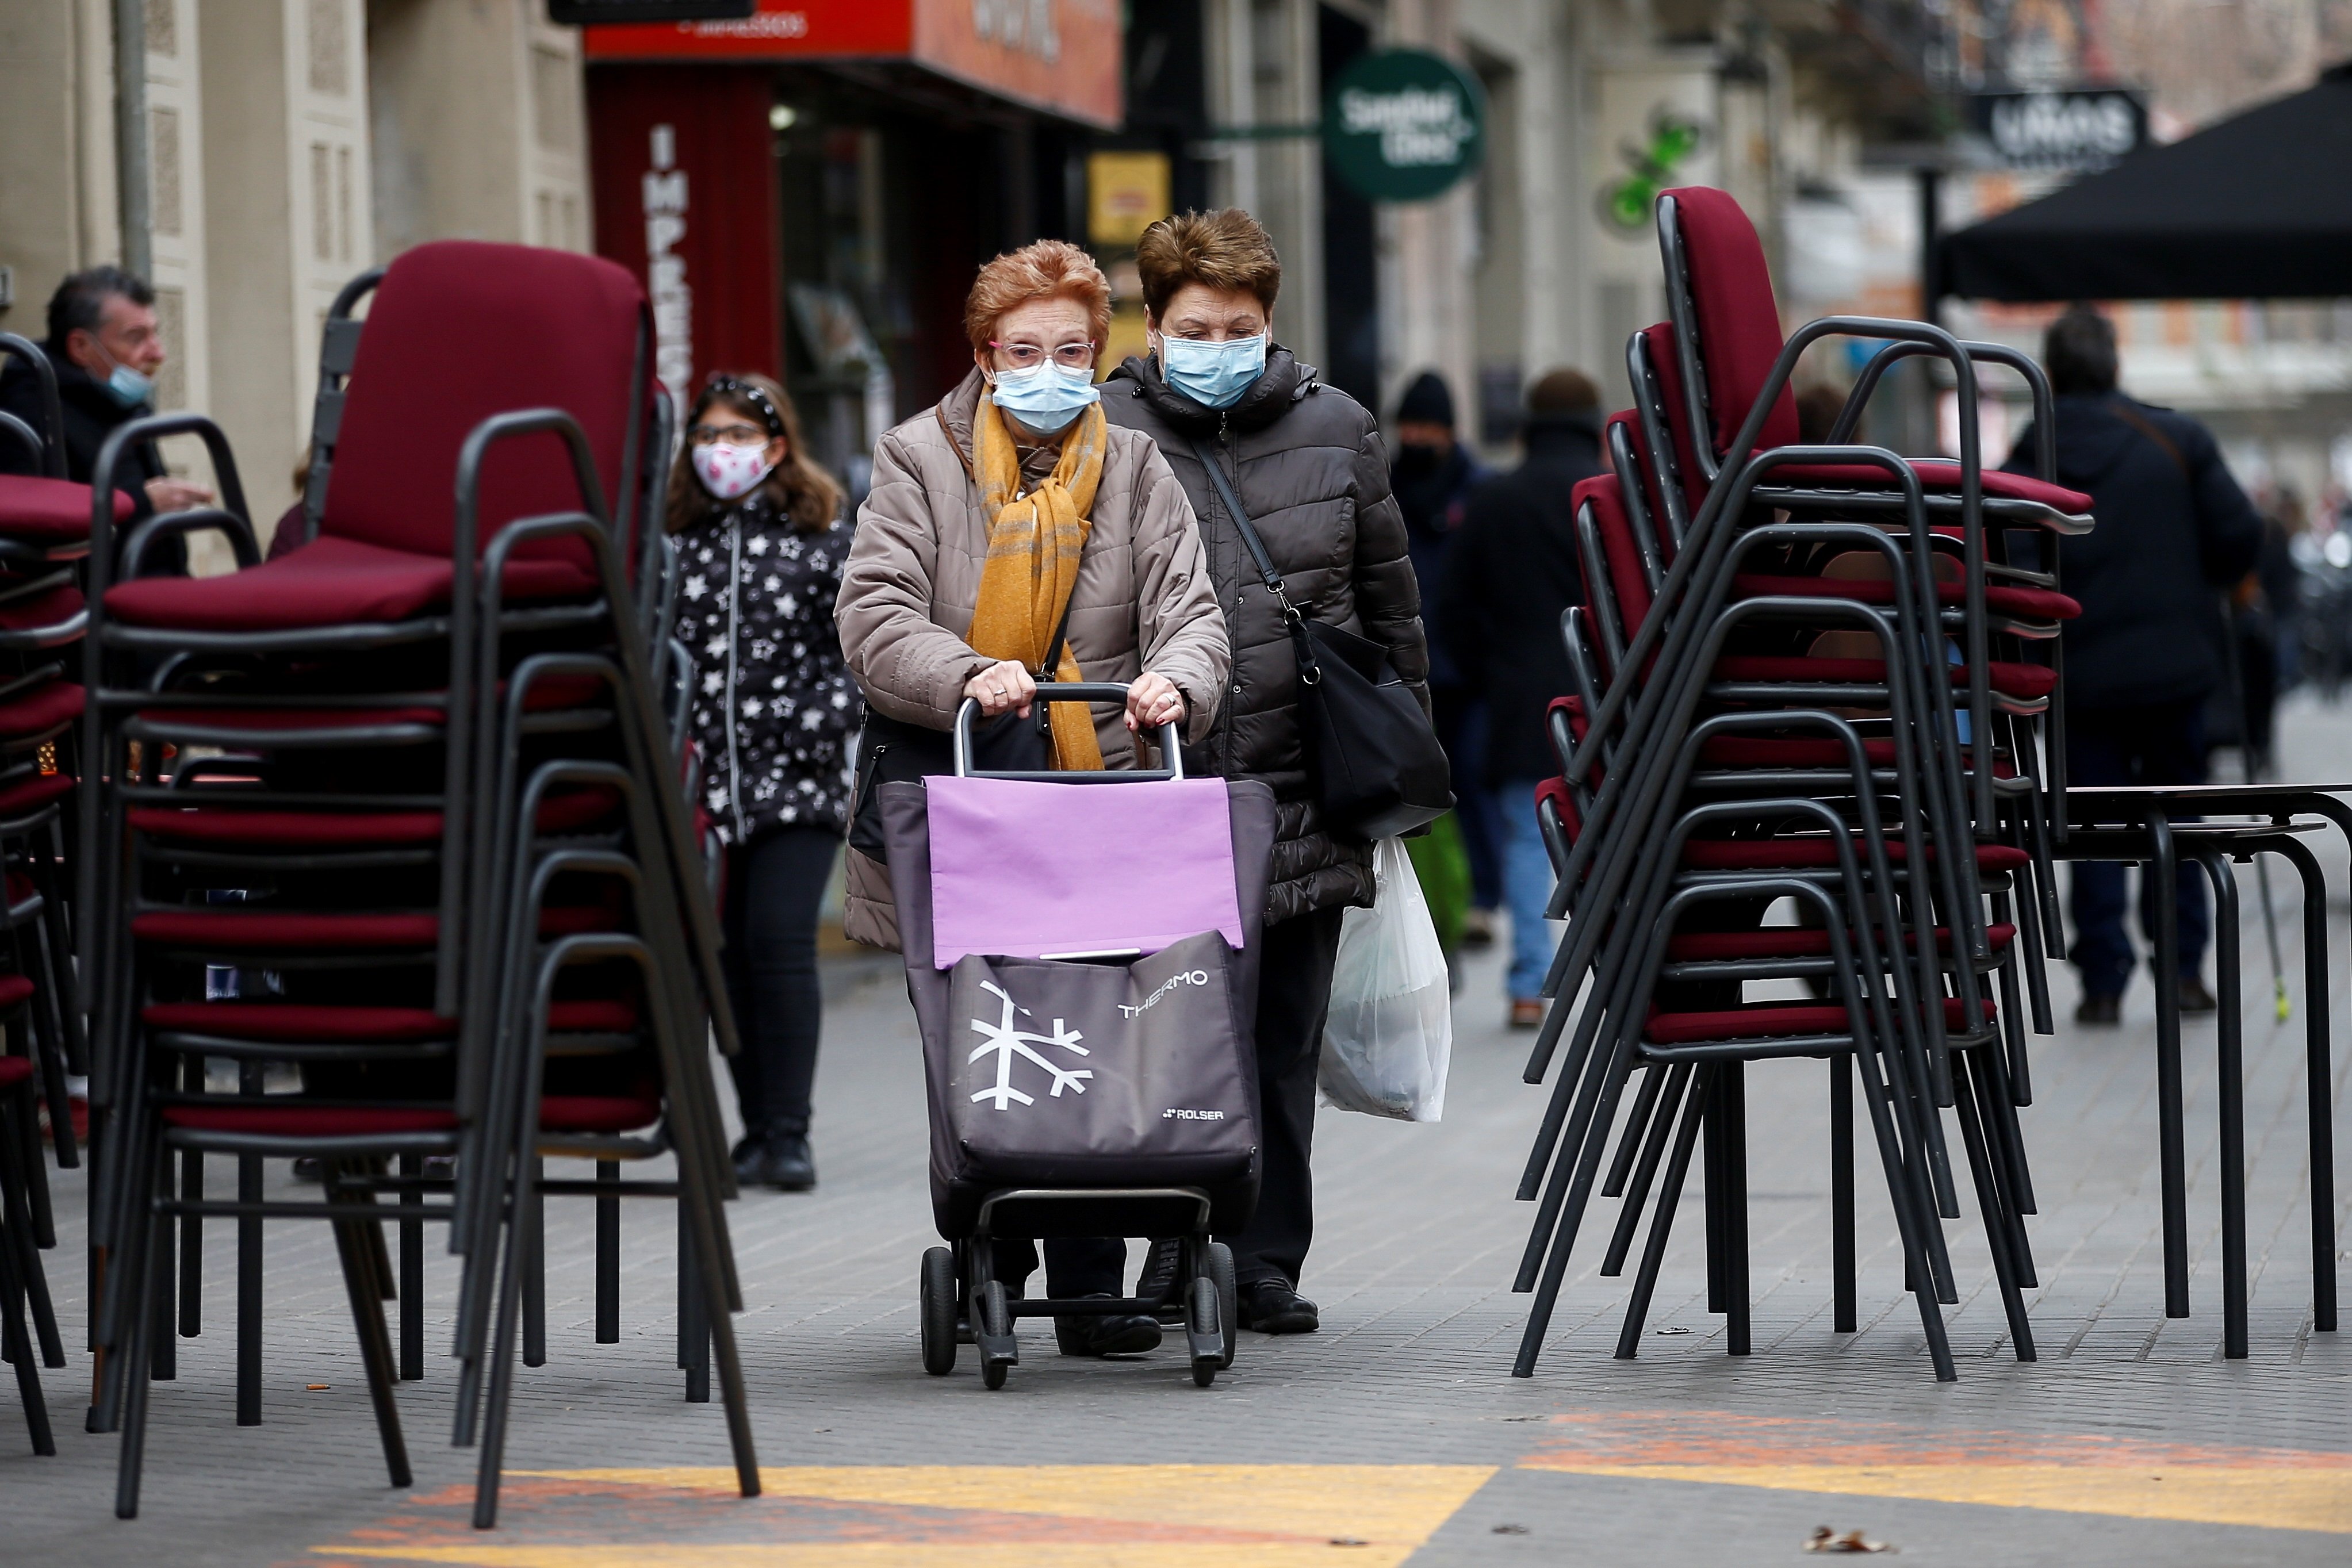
{"x": 2255, "y": 207}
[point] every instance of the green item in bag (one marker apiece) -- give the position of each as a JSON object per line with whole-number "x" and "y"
{"x": 1442, "y": 865}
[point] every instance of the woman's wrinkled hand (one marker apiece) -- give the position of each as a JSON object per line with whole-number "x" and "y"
{"x": 1004, "y": 684}
{"x": 1153, "y": 700}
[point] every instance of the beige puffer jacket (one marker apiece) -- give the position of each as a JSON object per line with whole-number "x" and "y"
{"x": 1143, "y": 599}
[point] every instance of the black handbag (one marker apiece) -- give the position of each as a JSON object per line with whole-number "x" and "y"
{"x": 1372, "y": 756}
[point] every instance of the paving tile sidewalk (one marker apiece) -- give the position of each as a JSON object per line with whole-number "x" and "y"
{"x": 1397, "y": 1427}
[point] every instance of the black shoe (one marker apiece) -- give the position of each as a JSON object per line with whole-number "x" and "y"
{"x": 749, "y": 1156}
{"x": 1162, "y": 1266}
{"x": 1270, "y": 1306}
{"x": 2195, "y": 997}
{"x": 790, "y": 1167}
{"x": 1129, "y": 1334}
{"x": 2100, "y": 1010}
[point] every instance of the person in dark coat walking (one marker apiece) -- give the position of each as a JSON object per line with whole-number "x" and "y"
{"x": 106, "y": 349}
{"x": 1514, "y": 569}
{"x": 2173, "y": 530}
{"x": 1432, "y": 475}
{"x": 1306, "y": 462}
{"x": 760, "y": 547}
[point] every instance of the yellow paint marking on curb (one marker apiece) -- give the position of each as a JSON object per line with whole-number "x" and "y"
{"x": 2271, "y": 1496}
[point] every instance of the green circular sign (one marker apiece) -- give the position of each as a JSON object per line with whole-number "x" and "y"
{"x": 1403, "y": 125}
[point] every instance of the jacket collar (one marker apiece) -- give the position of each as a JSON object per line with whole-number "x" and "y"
{"x": 1285, "y": 381}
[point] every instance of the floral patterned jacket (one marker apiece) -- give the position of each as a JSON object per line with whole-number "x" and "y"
{"x": 774, "y": 708}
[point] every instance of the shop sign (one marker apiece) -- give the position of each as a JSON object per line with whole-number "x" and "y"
{"x": 1126, "y": 192}
{"x": 1403, "y": 125}
{"x": 2088, "y": 129}
{"x": 588, "y": 13}
{"x": 1062, "y": 56}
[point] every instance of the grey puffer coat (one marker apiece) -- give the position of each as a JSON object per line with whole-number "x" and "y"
{"x": 1307, "y": 462}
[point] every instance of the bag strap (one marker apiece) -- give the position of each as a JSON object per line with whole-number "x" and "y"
{"x": 1232, "y": 504}
{"x": 2150, "y": 429}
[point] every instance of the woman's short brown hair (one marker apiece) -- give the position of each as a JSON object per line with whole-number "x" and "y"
{"x": 1224, "y": 249}
{"x": 797, "y": 487}
{"x": 1038, "y": 270}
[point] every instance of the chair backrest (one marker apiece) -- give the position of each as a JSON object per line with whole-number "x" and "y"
{"x": 1734, "y": 322}
{"x": 1625, "y": 583}
{"x": 457, "y": 331}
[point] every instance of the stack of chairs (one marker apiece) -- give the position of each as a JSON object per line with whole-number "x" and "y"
{"x": 400, "y": 812}
{"x": 1806, "y": 673}
{"x": 43, "y": 533}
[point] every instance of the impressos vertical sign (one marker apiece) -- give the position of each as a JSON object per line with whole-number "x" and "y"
{"x": 665, "y": 197}
{"x": 2085, "y": 129}
{"x": 1403, "y": 125}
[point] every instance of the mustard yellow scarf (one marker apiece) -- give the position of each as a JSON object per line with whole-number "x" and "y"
{"x": 1034, "y": 545}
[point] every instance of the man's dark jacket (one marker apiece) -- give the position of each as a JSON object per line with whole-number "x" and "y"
{"x": 90, "y": 415}
{"x": 1306, "y": 463}
{"x": 2173, "y": 529}
{"x": 1431, "y": 496}
{"x": 1513, "y": 570}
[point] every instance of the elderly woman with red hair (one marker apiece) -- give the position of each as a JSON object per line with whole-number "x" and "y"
{"x": 1014, "y": 536}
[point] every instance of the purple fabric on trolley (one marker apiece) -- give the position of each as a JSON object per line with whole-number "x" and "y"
{"x": 1022, "y": 870}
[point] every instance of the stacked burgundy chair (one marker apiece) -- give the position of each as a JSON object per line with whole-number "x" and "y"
{"x": 324, "y": 775}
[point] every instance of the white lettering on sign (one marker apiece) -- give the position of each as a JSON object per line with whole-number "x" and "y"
{"x": 2061, "y": 130}
{"x": 1419, "y": 128}
{"x": 1185, "y": 977}
{"x": 664, "y": 191}
{"x": 766, "y": 25}
{"x": 1173, "y": 1114}
{"x": 1024, "y": 25}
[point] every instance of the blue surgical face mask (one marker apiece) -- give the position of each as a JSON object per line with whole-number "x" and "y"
{"x": 1213, "y": 375}
{"x": 127, "y": 386}
{"x": 1045, "y": 397}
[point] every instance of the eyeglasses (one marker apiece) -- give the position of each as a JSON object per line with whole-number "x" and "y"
{"x": 1029, "y": 356}
{"x": 736, "y": 434}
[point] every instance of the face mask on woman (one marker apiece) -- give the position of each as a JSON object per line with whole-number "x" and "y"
{"x": 728, "y": 471}
{"x": 1047, "y": 396}
{"x": 1213, "y": 375}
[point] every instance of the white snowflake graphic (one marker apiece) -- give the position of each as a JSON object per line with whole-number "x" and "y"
{"x": 1006, "y": 1042}
{"x": 695, "y": 588}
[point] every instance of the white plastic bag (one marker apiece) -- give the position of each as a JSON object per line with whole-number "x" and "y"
{"x": 1389, "y": 1035}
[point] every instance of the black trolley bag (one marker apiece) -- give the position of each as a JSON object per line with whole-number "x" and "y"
{"x": 1157, "y": 1135}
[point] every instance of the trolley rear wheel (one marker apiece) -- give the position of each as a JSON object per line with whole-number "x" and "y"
{"x": 938, "y": 1315}
{"x": 998, "y": 1317}
{"x": 1206, "y": 1312}
{"x": 1229, "y": 1296}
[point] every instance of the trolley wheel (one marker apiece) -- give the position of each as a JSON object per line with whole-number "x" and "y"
{"x": 1229, "y": 1296}
{"x": 998, "y": 1318}
{"x": 939, "y": 1296}
{"x": 1206, "y": 1310}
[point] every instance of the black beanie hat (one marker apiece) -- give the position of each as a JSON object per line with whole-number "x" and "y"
{"x": 1426, "y": 402}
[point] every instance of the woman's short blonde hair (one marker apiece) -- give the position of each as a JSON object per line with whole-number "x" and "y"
{"x": 1223, "y": 249}
{"x": 1041, "y": 269}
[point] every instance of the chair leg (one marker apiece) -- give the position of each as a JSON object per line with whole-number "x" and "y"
{"x": 27, "y": 1116}
{"x": 534, "y": 1276}
{"x": 16, "y": 1236}
{"x": 1661, "y": 1219}
{"x": 249, "y": 1272}
{"x": 1911, "y": 1219}
{"x": 2229, "y": 1049}
{"x": 1637, "y": 1189}
{"x": 366, "y": 1293}
{"x": 192, "y": 1238}
{"x": 150, "y": 1272}
{"x": 694, "y": 1313}
{"x": 1737, "y": 1323}
{"x": 492, "y": 1463}
{"x": 608, "y": 1256}
{"x": 2172, "y": 1159}
{"x": 2000, "y": 1222}
{"x": 1844, "y": 1313}
{"x": 412, "y": 1273}
{"x": 2318, "y": 1085}
{"x": 164, "y": 1355}
{"x": 14, "y": 1292}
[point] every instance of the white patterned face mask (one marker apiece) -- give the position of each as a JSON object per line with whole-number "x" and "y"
{"x": 729, "y": 471}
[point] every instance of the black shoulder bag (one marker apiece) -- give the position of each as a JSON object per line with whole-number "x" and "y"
{"x": 1377, "y": 767}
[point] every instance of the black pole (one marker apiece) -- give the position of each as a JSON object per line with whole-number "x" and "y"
{"x": 1931, "y": 238}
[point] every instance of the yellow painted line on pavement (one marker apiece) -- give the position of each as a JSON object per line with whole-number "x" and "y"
{"x": 939, "y": 1516}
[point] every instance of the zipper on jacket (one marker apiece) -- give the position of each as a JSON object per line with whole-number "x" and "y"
{"x": 734, "y": 624}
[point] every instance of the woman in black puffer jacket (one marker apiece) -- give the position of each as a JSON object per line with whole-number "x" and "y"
{"x": 1306, "y": 462}
{"x": 760, "y": 547}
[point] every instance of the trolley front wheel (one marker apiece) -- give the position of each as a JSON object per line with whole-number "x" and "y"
{"x": 996, "y": 1314}
{"x": 1229, "y": 1296}
{"x": 939, "y": 1299}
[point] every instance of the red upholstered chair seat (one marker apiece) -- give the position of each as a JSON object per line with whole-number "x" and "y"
{"x": 2027, "y": 682}
{"x": 49, "y": 511}
{"x": 1804, "y": 751}
{"x": 2001, "y": 599}
{"x": 599, "y": 1113}
{"x": 313, "y": 931}
{"x": 44, "y": 709}
{"x": 51, "y": 607}
{"x": 1937, "y": 476}
{"x": 1812, "y": 851}
{"x": 331, "y": 581}
{"x": 15, "y": 990}
{"x": 300, "y": 1023}
{"x": 1794, "y": 942}
{"x": 1555, "y": 793}
{"x": 231, "y": 825}
{"x": 15, "y": 1069}
{"x": 29, "y": 795}
{"x": 1771, "y": 1020}
{"x": 297, "y": 1119}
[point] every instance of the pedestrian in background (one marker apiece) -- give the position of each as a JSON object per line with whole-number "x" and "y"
{"x": 1008, "y": 510}
{"x": 1432, "y": 475}
{"x": 106, "y": 348}
{"x": 760, "y": 545}
{"x": 1305, "y": 463}
{"x": 2174, "y": 530}
{"x": 1513, "y": 571}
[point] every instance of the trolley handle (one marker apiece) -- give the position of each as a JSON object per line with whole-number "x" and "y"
{"x": 1071, "y": 692}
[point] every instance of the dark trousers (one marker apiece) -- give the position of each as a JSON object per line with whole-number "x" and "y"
{"x": 1075, "y": 1265}
{"x": 1294, "y": 992}
{"x": 774, "y": 886}
{"x": 2160, "y": 745}
{"x": 1463, "y": 724}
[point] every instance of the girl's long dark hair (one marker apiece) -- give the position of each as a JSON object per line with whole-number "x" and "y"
{"x": 798, "y": 488}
